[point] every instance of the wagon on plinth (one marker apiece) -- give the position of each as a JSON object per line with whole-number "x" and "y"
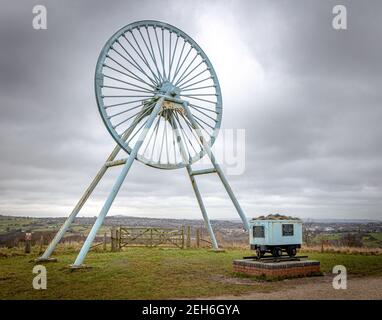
{"x": 275, "y": 235}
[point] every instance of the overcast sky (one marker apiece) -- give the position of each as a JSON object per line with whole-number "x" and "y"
{"x": 308, "y": 96}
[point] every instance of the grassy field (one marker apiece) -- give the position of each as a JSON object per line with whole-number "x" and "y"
{"x": 143, "y": 273}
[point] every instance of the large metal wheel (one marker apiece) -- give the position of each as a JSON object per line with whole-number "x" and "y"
{"x": 139, "y": 64}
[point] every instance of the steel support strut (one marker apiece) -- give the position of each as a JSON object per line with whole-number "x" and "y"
{"x": 81, "y": 202}
{"x": 195, "y": 186}
{"x": 217, "y": 167}
{"x": 78, "y": 207}
{"x": 117, "y": 185}
{"x": 203, "y": 209}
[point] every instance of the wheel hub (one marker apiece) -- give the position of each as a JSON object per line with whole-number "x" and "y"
{"x": 168, "y": 88}
{"x": 172, "y": 93}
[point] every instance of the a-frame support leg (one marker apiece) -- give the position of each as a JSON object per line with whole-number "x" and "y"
{"x": 57, "y": 238}
{"x": 194, "y": 185}
{"x": 217, "y": 167}
{"x": 203, "y": 209}
{"x": 49, "y": 250}
{"x": 117, "y": 185}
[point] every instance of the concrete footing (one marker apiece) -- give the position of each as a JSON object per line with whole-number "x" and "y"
{"x": 282, "y": 269}
{"x": 72, "y": 267}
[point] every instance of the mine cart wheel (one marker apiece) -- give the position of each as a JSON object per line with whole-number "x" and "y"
{"x": 259, "y": 253}
{"x": 292, "y": 251}
{"x": 276, "y": 252}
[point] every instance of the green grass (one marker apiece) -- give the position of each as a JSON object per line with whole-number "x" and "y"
{"x": 15, "y": 223}
{"x": 376, "y": 235}
{"x": 373, "y": 239}
{"x": 143, "y": 273}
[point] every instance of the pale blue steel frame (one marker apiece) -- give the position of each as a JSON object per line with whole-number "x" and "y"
{"x": 133, "y": 155}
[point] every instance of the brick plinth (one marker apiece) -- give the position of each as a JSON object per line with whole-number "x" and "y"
{"x": 277, "y": 269}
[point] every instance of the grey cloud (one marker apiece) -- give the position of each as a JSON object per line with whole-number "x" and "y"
{"x": 313, "y": 130}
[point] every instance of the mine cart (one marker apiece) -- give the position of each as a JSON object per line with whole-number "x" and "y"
{"x": 275, "y": 234}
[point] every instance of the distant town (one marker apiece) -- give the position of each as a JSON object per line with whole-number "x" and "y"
{"x": 357, "y": 233}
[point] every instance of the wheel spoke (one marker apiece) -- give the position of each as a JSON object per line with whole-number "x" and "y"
{"x": 200, "y": 99}
{"x": 136, "y": 63}
{"x": 201, "y": 72}
{"x": 165, "y": 127}
{"x": 199, "y": 88}
{"x": 203, "y": 108}
{"x": 206, "y": 115}
{"x": 126, "y": 96}
{"x": 121, "y": 88}
{"x": 155, "y": 139}
{"x": 123, "y": 103}
{"x": 150, "y": 53}
{"x": 128, "y": 83}
{"x": 180, "y": 128}
{"x": 160, "y": 53}
{"x": 136, "y": 120}
{"x": 127, "y": 119}
{"x": 197, "y": 82}
{"x": 174, "y": 138}
{"x": 200, "y": 95}
{"x": 208, "y": 125}
{"x": 162, "y": 143}
{"x": 187, "y": 121}
{"x": 141, "y": 55}
{"x": 132, "y": 64}
{"x": 139, "y": 129}
{"x": 134, "y": 76}
{"x": 184, "y": 60}
{"x": 124, "y": 111}
{"x": 184, "y": 134}
{"x": 181, "y": 78}
{"x": 151, "y": 136}
{"x": 185, "y": 70}
{"x": 153, "y": 53}
{"x": 177, "y": 65}
{"x": 173, "y": 55}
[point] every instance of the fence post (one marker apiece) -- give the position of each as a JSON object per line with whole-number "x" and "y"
{"x": 182, "y": 237}
{"x": 104, "y": 241}
{"x": 112, "y": 233}
{"x": 28, "y": 242}
{"x": 119, "y": 239}
{"x": 198, "y": 237}
{"x": 188, "y": 239}
{"x": 41, "y": 244}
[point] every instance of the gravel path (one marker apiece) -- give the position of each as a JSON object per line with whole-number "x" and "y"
{"x": 321, "y": 288}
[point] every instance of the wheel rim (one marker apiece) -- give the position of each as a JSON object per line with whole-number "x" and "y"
{"x": 145, "y": 60}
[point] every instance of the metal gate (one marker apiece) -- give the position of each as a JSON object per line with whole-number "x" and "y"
{"x": 151, "y": 237}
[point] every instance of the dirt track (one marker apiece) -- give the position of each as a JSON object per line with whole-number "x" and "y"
{"x": 321, "y": 288}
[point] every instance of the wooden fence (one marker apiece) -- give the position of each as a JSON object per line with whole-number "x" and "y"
{"x": 181, "y": 237}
